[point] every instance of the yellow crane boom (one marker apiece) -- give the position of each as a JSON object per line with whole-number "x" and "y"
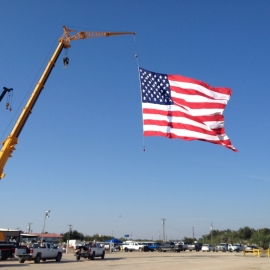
{"x": 8, "y": 145}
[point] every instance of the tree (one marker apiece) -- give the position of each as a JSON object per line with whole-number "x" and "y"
{"x": 264, "y": 231}
{"x": 260, "y": 239}
{"x": 189, "y": 239}
{"x": 245, "y": 233}
{"x": 72, "y": 235}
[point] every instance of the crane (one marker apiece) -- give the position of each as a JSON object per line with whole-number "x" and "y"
{"x": 8, "y": 145}
{"x": 5, "y": 90}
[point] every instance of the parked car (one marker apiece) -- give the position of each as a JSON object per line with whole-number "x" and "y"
{"x": 117, "y": 246}
{"x": 235, "y": 247}
{"x": 130, "y": 246}
{"x": 114, "y": 247}
{"x": 89, "y": 251}
{"x": 208, "y": 247}
{"x": 222, "y": 247}
{"x": 170, "y": 246}
{"x": 38, "y": 252}
{"x": 153, "y": 246}
{"x": 195, "y": 246}
{"x": 184, "y": 245}
{"x": 250, "y": 247}
{"x": 167, "y": 246}
{"x": 239, "y": 246}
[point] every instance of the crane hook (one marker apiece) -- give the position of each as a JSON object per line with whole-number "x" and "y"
{"x": 65, "y": 61}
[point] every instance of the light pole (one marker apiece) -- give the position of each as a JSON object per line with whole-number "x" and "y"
{"x": 163, "y": 224}
{"x": 46, "y": 216}
{"x": 211, "y": 228}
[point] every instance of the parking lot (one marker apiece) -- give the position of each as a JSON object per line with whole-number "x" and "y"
{"x": 151, "y": 260}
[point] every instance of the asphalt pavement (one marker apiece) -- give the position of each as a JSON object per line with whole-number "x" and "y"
{"x": 150, "y": 260}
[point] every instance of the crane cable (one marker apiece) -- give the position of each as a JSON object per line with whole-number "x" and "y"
{"x": 137, "y": 62}
{"x": 9, "y": 100}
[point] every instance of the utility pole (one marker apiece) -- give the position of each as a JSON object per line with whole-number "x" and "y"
{"x": 211, "y": 228}
{"x": 193, "y": 233}
{"x": 70, "y": 229}
{"x": 163, "y": 224}
{"x": 29, "y": 226}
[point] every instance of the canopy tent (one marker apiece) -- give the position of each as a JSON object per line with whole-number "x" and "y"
{"x": 114, "y": 240}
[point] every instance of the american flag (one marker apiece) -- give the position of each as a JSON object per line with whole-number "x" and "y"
{"x": 175, "y": 106}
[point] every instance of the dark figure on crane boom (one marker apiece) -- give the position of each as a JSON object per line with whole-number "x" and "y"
{"x": 5, "y": 90}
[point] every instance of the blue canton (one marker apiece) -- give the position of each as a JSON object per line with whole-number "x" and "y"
{"x": 155, "y": 88}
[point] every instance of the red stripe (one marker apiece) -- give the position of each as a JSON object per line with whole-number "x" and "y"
{"x": 226, "y": 143}
{"x": 199, "y": 119}
{"x": 191, "y": 92}
{"x": 181, "y": 126}
{"x": 198, "y": 105}
{"x": 179, "y": 78}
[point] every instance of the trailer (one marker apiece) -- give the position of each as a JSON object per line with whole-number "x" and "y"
{"x": 9, "y": 240}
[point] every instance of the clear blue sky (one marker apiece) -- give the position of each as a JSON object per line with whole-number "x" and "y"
{"x": 80, "y": 153}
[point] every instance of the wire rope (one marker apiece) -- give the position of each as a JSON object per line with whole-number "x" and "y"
{"x": 138, "y": 67}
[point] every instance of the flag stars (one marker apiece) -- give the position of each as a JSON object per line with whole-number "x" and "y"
{"x": 155, "y": 88}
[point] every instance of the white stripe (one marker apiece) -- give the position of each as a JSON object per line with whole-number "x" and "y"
{"x": 214, "y": 124}
{"x": 185, "y": 133}
{"x": 179, "y": 119}
{"x": 197, "y": 98}
{"x": 199, "y": 88}
{"x": 175, "y": 119}
{"x": 175, "y": 108}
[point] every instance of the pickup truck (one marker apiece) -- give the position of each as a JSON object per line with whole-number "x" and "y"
{"x": 184, "y": 244}
{"x": 235, "y": 247}
{"x": 42, "y": 251}
{"x": 222, "y": 247}
{"x": 195, "y": 246}
{"x": 153, "y": 246}
{"x": 170, "y": 246}
{"x": 134, "y": 246}
{"x": 89, "y": 251}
